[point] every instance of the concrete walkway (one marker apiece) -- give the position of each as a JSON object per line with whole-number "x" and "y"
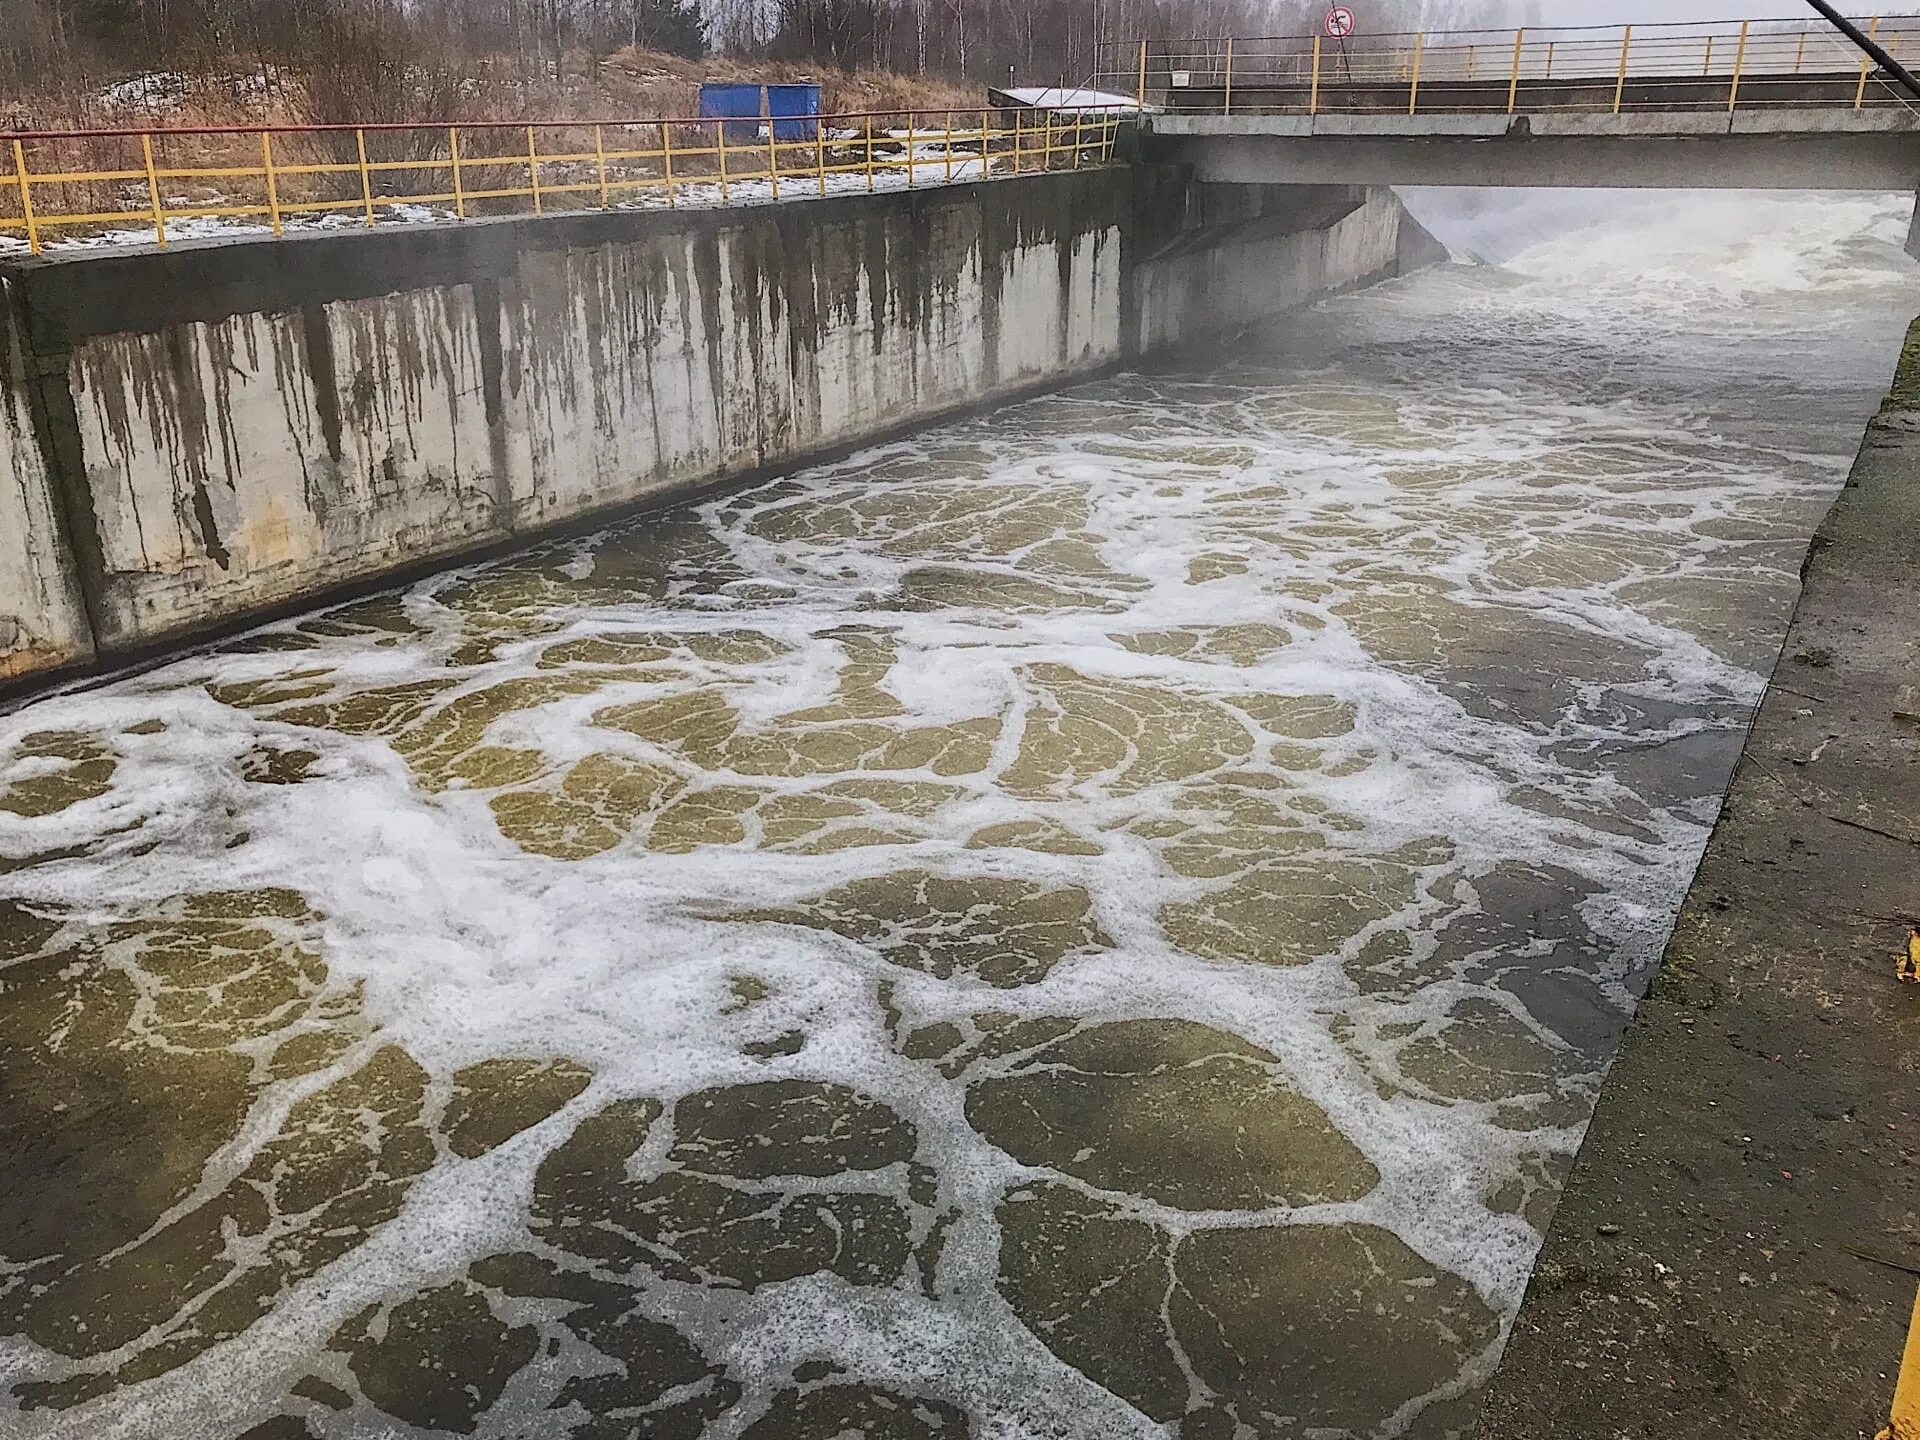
{"x": 1736, "y": 1253}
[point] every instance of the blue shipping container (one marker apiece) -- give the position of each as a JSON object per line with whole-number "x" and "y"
{"x": 720, "y": 101}
{"x": 795, "y": 110}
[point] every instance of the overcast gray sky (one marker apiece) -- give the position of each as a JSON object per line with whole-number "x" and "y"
{"x": 1612, "y": 12}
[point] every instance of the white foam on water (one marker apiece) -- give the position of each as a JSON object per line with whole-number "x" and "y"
{"x": 1562, "y": 444}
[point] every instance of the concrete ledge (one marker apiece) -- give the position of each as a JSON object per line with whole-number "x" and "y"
{"x": 1678, "y": 124}
{"x": 1231, "y": 124}
{"x": 1736, "y": 1249}
{"x": 1826, "y": 122}
{"x": 1633, "y": 125}
{"x": 1568, "y": 151}
{"x": 1471, "y": 127}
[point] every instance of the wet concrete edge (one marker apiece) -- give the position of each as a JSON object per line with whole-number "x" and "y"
{"x": 1736, "y": 1251}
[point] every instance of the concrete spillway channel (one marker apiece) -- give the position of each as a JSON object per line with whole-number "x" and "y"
{"x": 1028, "y": 809}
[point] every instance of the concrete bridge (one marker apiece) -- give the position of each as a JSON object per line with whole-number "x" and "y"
{"x": 1736, "y": 106}
{"x": 1786, "y": 149}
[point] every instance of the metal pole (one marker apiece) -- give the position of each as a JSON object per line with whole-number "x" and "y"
{"x": 459, "y": 194}
{"x": 153, "y": 193}
{"x": 600, "y": 160}
{"x": 1413, "y": 88}
{"x": 1620, "y": 85}
{"x": 26, "y": 198}
{"x": 1867, "y": 43}
{"x": 773, "y": 147}
{"x": 1313, "y": 96}
{"x": 366, "y": 176}
{"x": 1513, "y": 84}
{"x": 533, "y": 170}
{"x": 273, "y": 189}
{"x": 1739, "y": 64}
{"x": 666, "y": 152}
{"x": 1866, "y": 68}
{"x": 1143, "y": 77}
{"x": 1229, "y": 102}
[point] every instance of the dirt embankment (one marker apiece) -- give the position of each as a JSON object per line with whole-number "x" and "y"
{"x": 631, "y": 84}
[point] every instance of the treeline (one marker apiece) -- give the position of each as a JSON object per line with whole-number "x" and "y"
{"x": 394, "y": 59}
{"x": 1040, "y": 41}
{"x": 39, "y": 38}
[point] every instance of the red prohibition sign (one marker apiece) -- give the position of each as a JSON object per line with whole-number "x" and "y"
{"x": 1339, "y": 22}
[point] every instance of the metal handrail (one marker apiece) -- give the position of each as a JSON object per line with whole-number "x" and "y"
{"x": 719, "y": 164}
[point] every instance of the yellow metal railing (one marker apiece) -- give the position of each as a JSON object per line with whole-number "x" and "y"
{"x": 65, "y": 182}
{"x": 1719, "y": 66}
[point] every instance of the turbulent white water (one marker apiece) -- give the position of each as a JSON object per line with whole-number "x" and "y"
{"x": 1363, "y": 698}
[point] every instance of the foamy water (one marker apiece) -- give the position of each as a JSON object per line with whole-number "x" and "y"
{"x": 1109, "y": 914}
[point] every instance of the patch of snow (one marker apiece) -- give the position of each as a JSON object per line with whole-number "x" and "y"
{"x": 1078, "y": 100}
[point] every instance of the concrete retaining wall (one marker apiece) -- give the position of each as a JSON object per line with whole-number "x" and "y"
{"x": 42, "y": 622}
{"x": 221, "y": 430}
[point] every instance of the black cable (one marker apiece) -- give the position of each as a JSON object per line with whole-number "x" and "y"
{"x": 1867, "y": 43}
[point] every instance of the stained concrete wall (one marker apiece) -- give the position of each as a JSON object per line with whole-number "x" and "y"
{"x": 223, "y": 430}
{"x": 42, "y": 622}
{"x": 1263, "y": 248}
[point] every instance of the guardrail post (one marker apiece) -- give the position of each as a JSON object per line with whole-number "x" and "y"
{"x": 1513, "y": 81}
{"x": 1143, "y": 77}
{"x": 910, "y": 155}
{"x": 26, "y": 197}
{"x": 986, "y": 145}
{"x": 1229, "y": 101}
{"x": 720, "y": 131}
{"x": 1470, "y": 50}
{"x": 1739, "y": 63}
{"x": 153, "y": 193}
{"x": 273, "y": 187}
{"x": 366, "y": 175}
{"x": 600, "y": 160}
{"x": 1706, "y": 67}
{"x": 1620, "y": 85}
{"x": 1413, "y": 85}
{"x": 1549, "y": 74}
{"x": 459, "y": 192}
{"x": 1866, "y": 65}
{"x": 948, "y": 146}
{"x": 820, "y": 152}
{"x": 773, "y": 144}
{"x": 869, "y": 154}
{"x": 1800, "y": 53}
{"x": 1016, "y": 142}
{"x": 1313, "y": 95}
{"x": 533, "y": 170}
{"x": 666, "y": 161}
